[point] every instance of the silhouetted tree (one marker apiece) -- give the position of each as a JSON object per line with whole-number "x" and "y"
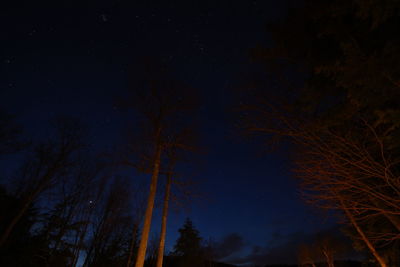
{"x": 109, "y": 241}
{"x": 188, "y": 246}
{"x": 163, "y": 106}
{"x": 65, "y": 225}
{"x": 66, "y": 205}
{"x": 179, "y": 145}
{"x": 49, "y": 161}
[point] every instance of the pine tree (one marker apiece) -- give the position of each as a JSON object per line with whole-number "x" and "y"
{"x": 188, "y": 246}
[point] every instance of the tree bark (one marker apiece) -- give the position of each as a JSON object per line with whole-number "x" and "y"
{"x": 161, "y": 246}
{"x": 149, "y": 210}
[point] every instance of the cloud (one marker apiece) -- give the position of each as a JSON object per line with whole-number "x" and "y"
{"x": 280, "y": 254}
{"x": 227, "y": 246}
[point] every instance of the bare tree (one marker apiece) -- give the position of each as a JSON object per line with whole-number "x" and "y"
{"x": 69, "y": 219}
{"x": 347, "y": 168}
{"x": 176, "y": 148}
{"x": 345, "y": 173}
{"x": 110, "y": 224}
{"x": 50, "y": 161}
{"x": 162, "y": 105}
{"x": 341, "y": 109}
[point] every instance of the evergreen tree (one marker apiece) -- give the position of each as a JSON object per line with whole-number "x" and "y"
{"x": 188, "y": 246}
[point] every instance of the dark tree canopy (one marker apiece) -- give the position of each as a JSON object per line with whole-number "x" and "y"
{"x": 336, "y": 64}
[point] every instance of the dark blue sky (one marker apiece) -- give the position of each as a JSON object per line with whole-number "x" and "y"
{"x": 75, "y": 58}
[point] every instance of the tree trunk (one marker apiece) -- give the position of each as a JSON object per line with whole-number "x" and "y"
{"x": 328, "y": 257}
{"x": 362, "y": 235}
{"x": 149, "y": 210}
{"x": 161, "y": 246}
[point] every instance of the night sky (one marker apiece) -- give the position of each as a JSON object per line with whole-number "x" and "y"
{"x": 66, "y": 57}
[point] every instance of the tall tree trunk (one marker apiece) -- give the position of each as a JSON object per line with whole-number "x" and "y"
{"x": 161, "y": 246}
{"x": 368, "y": 243}
{"x": 149, "y": 210}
